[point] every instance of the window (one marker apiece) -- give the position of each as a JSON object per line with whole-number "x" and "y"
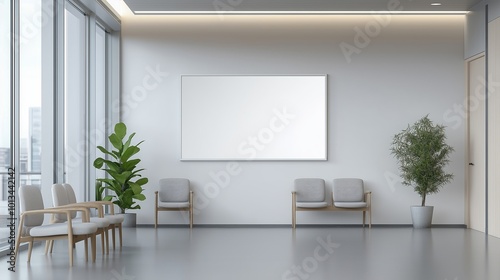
{"x": 5, "y": 116}
{"x": 28, "y": 110}
{"x": 30, "y": 85}
{"x": 100, "y": 93}
{"x": 75, "y": 89}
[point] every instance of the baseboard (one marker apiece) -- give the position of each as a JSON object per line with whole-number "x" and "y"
{"x": 299, "y": 226}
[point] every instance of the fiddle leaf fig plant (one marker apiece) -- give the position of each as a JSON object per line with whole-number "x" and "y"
{"x": 423, "y": 153}
{"x": 124, "y": 181}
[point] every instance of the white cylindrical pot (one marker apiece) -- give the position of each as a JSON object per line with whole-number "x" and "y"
{"x": 422, "y": 216}
{"x": 130, "y": 220}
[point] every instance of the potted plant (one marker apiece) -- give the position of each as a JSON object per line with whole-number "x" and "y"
{"x": 124, "y": 181}
{"x": 422, "y": 153}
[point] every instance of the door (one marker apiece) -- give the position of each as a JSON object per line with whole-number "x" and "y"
{"x": 476, "y": 136}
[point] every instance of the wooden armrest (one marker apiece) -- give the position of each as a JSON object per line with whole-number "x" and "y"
{"x": 102, "y": 203}
{"x": 61, "y": 210}
{"x": 89, "y": 205}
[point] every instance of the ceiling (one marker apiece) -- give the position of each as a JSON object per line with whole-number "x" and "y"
{"x": 266, "y": 6}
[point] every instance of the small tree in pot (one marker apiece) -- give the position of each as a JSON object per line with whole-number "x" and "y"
{"x": 422, "y": 153}
{"x": 125, "y": 179}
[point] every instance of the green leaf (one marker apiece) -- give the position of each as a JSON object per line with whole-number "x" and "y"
{"x": 104, "y": 151}
{"x": 98, "y": 162}
{"x": 140, "y": 196}
{"x": 135, "y": 188}
{"x": 127, "y": 143}
{"x": 130, "y": 165}
{"x": 121, "y": 178}
{"x": 130, "y": 151}
{"x": 142, "y": 181}
{"x": 120, "y": 130}
{"x": 115, "y": 141}
{"x": 113, "y": 165}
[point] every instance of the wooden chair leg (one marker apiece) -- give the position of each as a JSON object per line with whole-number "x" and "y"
{"x": 30, "y": 249}
{"x": 86, "y": 242}
{"x": 102, "y": 242}
{"x": 294, "y": 210}
{"x": 113, "y": 228}
{"x": 70, "y": 249}
{"x": 370, "y": 216}
{"x": 156, "y": 209}
{"x": 120, "y": 234}
{"x": 156, "y": 217}
{"x": 106, "y": 236}
{"x": 364, "y": 217}
{"x": 16, "y": 248}
{"x": 51, "y": 246}
{"x": 47, "y": 245}
{"x": 93, "y": 244}
{"x": 191, "y": 193}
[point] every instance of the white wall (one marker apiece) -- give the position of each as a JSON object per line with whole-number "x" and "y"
{"x": 408, "y": 66}
{"x": 475, "y": 26}
{"x": 475, "y": 31}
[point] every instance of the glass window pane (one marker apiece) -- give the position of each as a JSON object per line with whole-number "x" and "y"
{"x": 5, "y": 116}
{"x": 100, "y": 106}
{"x": 30, "y": 92}
{"x": 74, "y": 99}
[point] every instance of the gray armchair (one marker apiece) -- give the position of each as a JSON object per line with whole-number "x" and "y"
{"x": 31, "y": 227}
{"x": 174, "y": 194}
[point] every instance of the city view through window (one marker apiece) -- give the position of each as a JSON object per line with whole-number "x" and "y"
{"x": 30, "y": 114}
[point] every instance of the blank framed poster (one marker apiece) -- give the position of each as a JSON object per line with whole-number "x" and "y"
{"x": 254, "y": 117}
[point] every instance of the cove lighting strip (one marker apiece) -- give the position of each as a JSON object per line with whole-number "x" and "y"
{"x": 299, "y": 12}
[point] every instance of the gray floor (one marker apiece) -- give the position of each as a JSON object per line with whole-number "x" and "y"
{"x": 277, "y": 253}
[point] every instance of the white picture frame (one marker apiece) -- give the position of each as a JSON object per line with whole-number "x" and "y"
{"x": 254, "y": 117}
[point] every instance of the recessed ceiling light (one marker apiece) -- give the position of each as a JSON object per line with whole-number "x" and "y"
{"x": 298, "y": 12}
{"x": 436, "y": 4}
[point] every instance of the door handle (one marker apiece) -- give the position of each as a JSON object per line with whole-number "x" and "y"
{"x": 470, "y": 163}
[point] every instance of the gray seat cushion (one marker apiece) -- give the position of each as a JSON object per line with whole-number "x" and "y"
{"x": 348, "y": 190}
{"x": 62, "y": 229}
{"x": 115, "y": 219}
{"x": 100, "y": 222}
{"x": 311, "y": 204}
{"x": 310, "y": 189}
{"x": 173, "y": 204}
{"x": 350, "y": 204}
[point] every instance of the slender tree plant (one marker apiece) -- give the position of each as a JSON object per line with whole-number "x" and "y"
{"x": 422, "y": 153}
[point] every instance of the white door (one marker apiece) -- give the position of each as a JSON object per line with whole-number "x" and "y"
{"x": 476, "y": 135}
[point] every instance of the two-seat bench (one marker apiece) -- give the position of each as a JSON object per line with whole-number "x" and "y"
{"x": 348, "y": 195}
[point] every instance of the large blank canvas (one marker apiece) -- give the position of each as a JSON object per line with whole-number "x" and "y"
{"x": 254, "y": 117}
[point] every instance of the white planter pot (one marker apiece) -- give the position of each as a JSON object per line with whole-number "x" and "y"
{"x": 422, "y": 216}
{"x": 130, "y": 220}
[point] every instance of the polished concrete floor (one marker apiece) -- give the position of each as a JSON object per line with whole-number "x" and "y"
{"x": 277, "y": 253}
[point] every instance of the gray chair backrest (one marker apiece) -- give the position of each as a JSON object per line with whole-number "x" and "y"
{"x": 310, "y": 189}
{"x": 348, "y": 190}
{"x": 60, "y": 198}
{"x": 70, "y": 192}
{"x": 71, "y": 196}
{"x": 30, "y": 198}
{"x": 174, "y": 190}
